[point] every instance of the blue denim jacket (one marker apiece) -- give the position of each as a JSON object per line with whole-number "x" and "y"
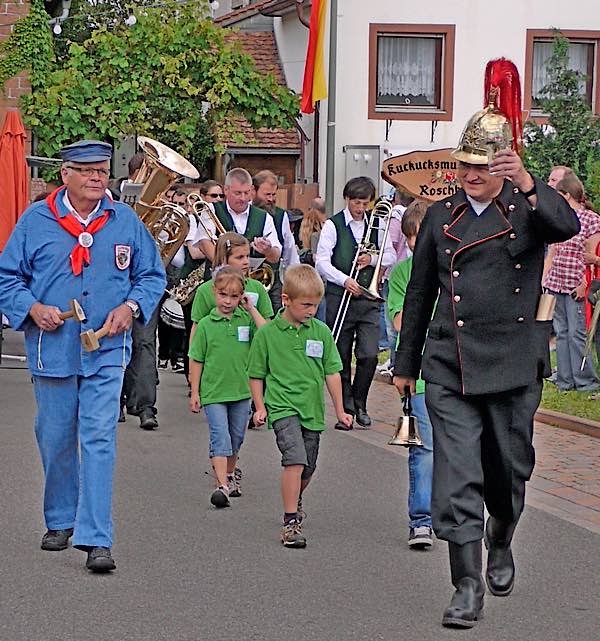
{"x": 35, "y": 267}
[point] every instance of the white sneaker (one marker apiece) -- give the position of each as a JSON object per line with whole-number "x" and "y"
{"x": 220, "y": 497}
{"x": 384, "y": 367}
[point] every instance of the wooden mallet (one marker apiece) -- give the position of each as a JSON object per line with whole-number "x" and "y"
{"x": 90, "y": 340}
{"x": 75, "y": 312}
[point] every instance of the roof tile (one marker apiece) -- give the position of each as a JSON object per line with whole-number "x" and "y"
{"x": 261, "y": 45}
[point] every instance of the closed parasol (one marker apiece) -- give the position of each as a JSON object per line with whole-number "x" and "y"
{"x": 13, "y": 174}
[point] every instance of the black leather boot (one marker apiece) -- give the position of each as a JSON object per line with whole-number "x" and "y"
{"x": 467, "y": 603}
{"x": 500, "y": 572}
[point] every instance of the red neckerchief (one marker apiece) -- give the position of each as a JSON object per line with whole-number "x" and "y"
{"x": 75, "y": 228}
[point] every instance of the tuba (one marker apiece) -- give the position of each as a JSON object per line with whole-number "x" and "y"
{"x": 167, "y": 223}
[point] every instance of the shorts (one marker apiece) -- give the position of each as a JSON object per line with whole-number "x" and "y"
{"x": 298, "y": 446}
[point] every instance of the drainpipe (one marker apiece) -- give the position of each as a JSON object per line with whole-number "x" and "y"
{"x": 330, "y": 161}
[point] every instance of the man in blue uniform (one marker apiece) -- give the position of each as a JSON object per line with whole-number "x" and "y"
{"x": 78, "y": 244}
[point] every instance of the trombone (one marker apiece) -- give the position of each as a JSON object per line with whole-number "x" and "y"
{"x": 199, "y": 207}
{"x": 382, "y": 215}
{"x": 264, "y": 274}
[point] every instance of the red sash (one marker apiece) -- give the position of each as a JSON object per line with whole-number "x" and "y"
{"x": 70, "y": 224}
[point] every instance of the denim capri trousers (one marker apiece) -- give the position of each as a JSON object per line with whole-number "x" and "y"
{"x": 227, "y": 426}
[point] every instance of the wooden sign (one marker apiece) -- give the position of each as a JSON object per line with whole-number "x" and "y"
{"x": 430, "y": 175}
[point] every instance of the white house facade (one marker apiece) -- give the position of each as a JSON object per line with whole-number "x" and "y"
{"x": 409, "y": 75}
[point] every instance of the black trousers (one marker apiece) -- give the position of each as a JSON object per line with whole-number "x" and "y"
{"x": 482, "y": 453}
{"x": 187, "y": 319}
{"x": 275, "y": 292}
{"x": 139, "y": 382}
{"x": 361, "y": 332}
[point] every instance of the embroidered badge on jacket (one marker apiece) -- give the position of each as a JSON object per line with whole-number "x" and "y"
{"x": 122, "y": 256}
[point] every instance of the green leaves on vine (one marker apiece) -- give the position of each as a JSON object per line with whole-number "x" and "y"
{"x": 154, "y": 79}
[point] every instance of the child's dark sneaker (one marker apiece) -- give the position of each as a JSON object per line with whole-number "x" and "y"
{"x": 420, "y": 537}
{"x": 220, "y": 497}
{"x": 234, "y": 487}
{"x": 291, "y": 535}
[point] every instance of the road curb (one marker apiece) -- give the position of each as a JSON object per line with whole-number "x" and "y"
{"x": 567, "y": 422}
{"x": 548, "y": 417}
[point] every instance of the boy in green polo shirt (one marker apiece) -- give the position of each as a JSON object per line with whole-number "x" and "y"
{"x": 294, "y": 355}
{"x": 420, "y": 459}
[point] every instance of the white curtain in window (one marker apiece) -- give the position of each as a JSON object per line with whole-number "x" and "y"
{"x": 542, "y": 51}
{"x": 406, "y": 66}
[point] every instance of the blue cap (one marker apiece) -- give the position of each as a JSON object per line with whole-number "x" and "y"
{"x": 87, "y": 151}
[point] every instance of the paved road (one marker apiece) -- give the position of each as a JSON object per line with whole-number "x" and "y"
{"x": 189, "y": 573}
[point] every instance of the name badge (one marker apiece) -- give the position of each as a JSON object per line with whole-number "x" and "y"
{"x": 252, "y": 297}
{"x": 314, "y": 349}
{"x": 244, "y": 334}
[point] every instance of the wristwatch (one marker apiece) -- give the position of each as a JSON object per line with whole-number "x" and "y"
{"x": 134, "y": 307}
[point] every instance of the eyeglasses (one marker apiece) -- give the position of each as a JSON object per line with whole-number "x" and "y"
{"x": 88, "y": 172}
{"x": 216, "y": 195}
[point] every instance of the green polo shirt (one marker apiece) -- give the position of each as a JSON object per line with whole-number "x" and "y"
{"x": 398, "y": 282}
{"x": 223, "y": 345}
{"x": 204, "y": 300}
{"x": 294, "y": 362}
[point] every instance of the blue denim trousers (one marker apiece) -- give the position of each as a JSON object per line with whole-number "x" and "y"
{"x": 76, "y": 427}
{"x": 420, "y": 468}
{"x": 226, "y": 426}
{"x": 569, "y": 326}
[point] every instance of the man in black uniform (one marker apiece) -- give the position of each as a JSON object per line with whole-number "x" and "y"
{"x": 480, "y": 254}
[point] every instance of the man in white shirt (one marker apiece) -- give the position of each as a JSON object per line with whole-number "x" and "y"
{"x": 265, "y": 195}
{"x": 340, "y": 239}
{"x": 238, "y": 214}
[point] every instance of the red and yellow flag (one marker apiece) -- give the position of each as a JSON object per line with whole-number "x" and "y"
{"x": 314, "y": 87}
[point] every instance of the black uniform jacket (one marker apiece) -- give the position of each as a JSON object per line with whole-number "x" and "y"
{"x": 487, "y": 269}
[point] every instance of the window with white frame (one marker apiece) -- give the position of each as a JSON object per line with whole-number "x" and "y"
{"x": 410, "y": 71}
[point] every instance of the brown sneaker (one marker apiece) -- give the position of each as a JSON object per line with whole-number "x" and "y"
{"x": 300, "y": 511}
{"x": 234, "y": 486}
{"x": 291, "y": 535}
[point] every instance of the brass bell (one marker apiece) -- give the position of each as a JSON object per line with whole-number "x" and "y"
{"x": 407, "y": 432}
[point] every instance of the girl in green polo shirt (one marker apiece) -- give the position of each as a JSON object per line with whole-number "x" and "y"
{"x": 218, "y": 375}
{"x": 234, "y": 250}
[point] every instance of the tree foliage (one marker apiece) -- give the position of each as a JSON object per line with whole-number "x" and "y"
{"x": 28, "y": 48}
{"x": 155, "y": 78}
{"x": 572, "y": 134}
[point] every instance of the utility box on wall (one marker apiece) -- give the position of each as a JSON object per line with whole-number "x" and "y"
{"x": 363, "y": 160}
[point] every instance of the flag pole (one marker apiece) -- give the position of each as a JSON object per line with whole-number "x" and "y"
{"x": 330, "y": 155}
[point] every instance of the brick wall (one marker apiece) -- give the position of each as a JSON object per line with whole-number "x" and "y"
{"x": 10, "y": 12}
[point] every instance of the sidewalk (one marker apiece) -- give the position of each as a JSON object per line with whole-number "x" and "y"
{"x": 566, "y": 479}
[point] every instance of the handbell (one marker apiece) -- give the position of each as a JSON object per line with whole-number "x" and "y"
{"x": 407, "y": 432}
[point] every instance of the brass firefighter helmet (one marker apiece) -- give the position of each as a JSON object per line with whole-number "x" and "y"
{"x": 486, "y": 132}
{"x": 498, "y": 125}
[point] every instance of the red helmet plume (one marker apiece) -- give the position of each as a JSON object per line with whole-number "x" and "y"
{"x": 502, "y": 89}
